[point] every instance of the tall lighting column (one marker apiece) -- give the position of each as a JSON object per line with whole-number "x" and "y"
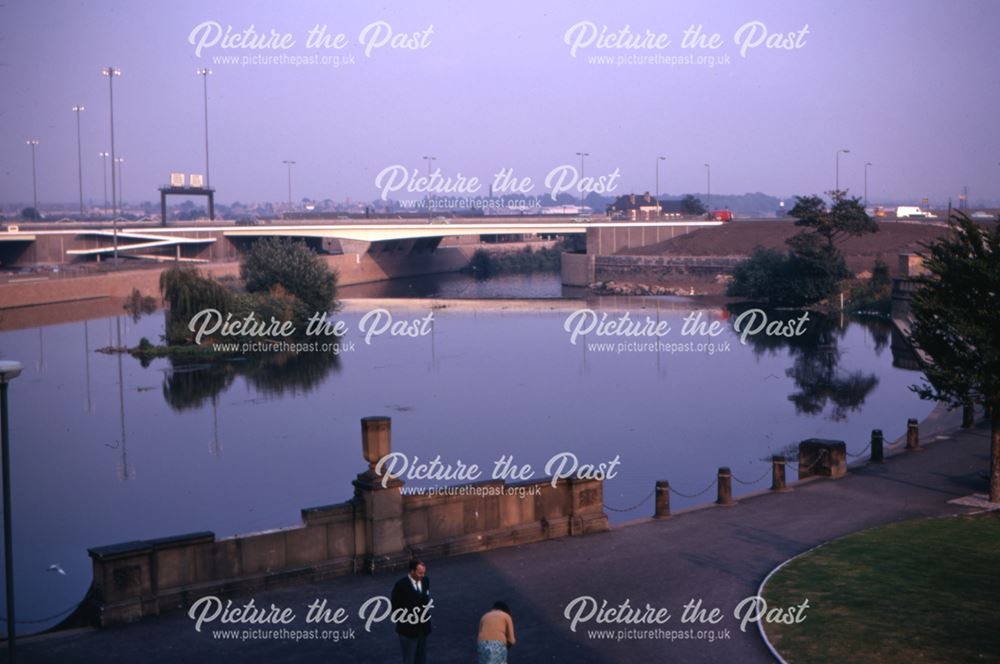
{"x": 837, "y": 188}
{"x": 867, "y": 166}
{"x": 111, "y": 72}
{"x": 708, "y": 171}
{"x": 658, "y": 160}
{"x": 104, "y": 172}
{"x": 204, "y": 73}
{"x": 79, "y": 108}
{"x": 429, "y": 160}
{"x": 34, "y": 176}
{"x": 581, "y": 155}
{"x": 289, "y": 163}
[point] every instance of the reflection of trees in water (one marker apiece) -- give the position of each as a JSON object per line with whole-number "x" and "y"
{"x": 820, "y": 382}
{"x": 816, "y": 356}
{"x": 881, "y": 331}
{"x": 137, "y": 305}
{"x": 188, "y": 386}
{"x": 291, "y": 373}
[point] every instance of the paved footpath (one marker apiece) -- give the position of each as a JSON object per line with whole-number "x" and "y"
{"x": 719, "y": 555}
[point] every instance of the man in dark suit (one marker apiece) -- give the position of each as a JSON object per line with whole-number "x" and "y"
{"x": 413, "y": 593}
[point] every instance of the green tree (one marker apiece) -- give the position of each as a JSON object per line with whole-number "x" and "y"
{"x": 845, "y": 218}
{"x": 763, "y": 276}
{"x": 807, "y": 274}
{"x": 881, "y": 279}
{"x": 956, "y": 325}
{"x": 815, "y": 267}
{"x": 693, "y": 206}
{"x": 31, "y": 214}
{"x": 186, "y": 293}
{"x": 293, "y": 266}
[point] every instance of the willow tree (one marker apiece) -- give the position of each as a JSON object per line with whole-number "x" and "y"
{"x": 956, "y": 324}
{"x": 187, "y": 292}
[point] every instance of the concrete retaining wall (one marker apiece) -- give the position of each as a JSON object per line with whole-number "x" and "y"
{"x": 352, "y": 268}
{"x": 604, "y": 241}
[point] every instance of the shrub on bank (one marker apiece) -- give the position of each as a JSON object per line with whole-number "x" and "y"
{"x": 873, "y": 294}
{"x": 282, "y": 278}
{"x": 485, "y": 264}
{"x": 808, "y": 274}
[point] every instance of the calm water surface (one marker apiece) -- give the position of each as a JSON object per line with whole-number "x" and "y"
{"x": 106, "y": 450}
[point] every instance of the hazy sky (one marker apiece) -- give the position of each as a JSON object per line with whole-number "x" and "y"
{"x": 911, "y": 86}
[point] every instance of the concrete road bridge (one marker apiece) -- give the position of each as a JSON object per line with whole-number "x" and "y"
{"x": 52, "y": 244}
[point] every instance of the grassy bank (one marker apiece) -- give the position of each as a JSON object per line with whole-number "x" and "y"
{"x": 918, "y": 591}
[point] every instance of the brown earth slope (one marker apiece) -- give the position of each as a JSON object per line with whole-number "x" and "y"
{"x": 739, "y": 238}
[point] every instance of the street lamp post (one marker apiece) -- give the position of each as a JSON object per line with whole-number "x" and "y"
{"x": 111, "y": 72}
{"x": 34, "y": 176}
{"x": 121, "y": 186}
{"x": 658, "y": 160}
{"x": 8, "y": 372}
{"x": 868, "y": 165}
{"x": 204, "y": 72}
{"x": 581, "y": 155}
{"x": 79, "y": 108}
{"x": 429, "y": 160}
{"x": 289, "y": 163}
{"x": 708, "y": 172}
{"x": 837, "y": 187}
{"x": 104, "y": 172}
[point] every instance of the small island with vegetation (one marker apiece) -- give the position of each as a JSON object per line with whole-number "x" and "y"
{"x": 813, "y": 272}
{"x": 280, "y": 279}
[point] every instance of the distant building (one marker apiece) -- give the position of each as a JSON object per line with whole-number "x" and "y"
{"x": 635, "y": 208}
{"x": 672, "y": 209}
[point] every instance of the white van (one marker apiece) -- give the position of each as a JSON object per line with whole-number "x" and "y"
{"x": 910, "y": 212}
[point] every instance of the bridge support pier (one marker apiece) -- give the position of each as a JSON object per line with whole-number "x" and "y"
{"x": 577, "y": 269}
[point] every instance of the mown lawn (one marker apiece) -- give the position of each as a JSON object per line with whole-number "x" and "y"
{"x": 918, "y": 591}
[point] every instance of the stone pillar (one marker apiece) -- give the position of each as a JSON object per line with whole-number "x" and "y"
{"x": 662, "y": 510}
{"x": 379, "y": 505}
{"x": 823, "y": 458}
{"x": 586, "y": 506}
{"x": 912, "y": 434}
{"x": 878, "y": 454}
{"x": 725, "y": 484}
{"x": 376, "y": 440}
{"x": 778, "y": 474}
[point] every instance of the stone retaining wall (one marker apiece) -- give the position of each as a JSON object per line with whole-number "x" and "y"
{"x": 663, "y": 269}
{"x": 379, "y": 528}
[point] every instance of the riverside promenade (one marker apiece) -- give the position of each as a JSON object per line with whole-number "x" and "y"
{"x": 719, "y": 555}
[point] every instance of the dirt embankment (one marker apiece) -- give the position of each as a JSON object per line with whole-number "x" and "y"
{"x": 739, "y": 239}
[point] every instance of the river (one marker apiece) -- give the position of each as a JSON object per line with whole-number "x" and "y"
{"x": 106, "y": 450}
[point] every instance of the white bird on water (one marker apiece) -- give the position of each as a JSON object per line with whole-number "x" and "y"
{"x": 56, "y": 568}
